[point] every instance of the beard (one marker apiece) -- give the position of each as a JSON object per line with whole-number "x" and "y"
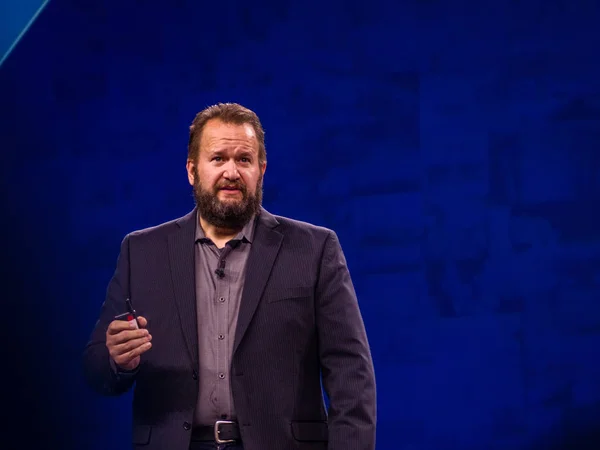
{"x": 233, "y": 214}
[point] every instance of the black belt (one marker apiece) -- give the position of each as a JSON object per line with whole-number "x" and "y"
{"x": 222, "y": 432}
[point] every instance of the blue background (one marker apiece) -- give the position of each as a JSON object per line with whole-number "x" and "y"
{"x": 15, "y": 18}
{"x": 453, "y": 146}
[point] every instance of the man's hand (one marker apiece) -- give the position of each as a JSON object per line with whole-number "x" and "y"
{"x": 126, "y": 344}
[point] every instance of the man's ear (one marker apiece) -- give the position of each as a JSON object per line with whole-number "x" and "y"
{"x": 190, "y": 168}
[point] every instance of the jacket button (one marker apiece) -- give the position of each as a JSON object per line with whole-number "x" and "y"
{"x": 194, "y": 375}
{"x": 186, "y": 425}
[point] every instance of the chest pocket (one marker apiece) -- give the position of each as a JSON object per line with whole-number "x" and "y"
{"x": 289, "y": 293}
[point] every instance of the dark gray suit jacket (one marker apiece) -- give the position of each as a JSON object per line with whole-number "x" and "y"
{"x": 299, "y": 319}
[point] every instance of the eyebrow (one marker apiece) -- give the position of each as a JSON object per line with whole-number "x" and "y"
{"x": 243, "y": 151}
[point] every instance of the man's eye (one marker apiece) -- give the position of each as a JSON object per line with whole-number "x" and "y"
{"x": 245, "y": 160}
{"x": 217, "y": 158}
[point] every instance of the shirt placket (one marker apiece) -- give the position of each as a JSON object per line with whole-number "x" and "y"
{"x": 222, "y": 306}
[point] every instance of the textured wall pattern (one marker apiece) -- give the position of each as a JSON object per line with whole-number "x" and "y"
{"x": 454, "y": 147}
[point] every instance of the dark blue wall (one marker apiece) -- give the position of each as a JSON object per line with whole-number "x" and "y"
{"x": 454, "y": 147}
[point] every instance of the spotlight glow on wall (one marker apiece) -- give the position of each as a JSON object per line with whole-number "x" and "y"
{"x": 16, "y": 17}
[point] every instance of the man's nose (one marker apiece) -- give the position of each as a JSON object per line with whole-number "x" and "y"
{"x": 231, "y": 171}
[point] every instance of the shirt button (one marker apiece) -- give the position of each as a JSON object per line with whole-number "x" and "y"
{"x": 221, "y": 337}
{"x": 222, "y": 299}
{"x": 194, "y": 375}
{"x": 186, "y": 425}
{"x": 221, "y": 376}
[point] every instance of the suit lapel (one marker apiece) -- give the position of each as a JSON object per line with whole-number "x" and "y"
{"x": 183, "y": 274}
{"x": 265, "y": 246}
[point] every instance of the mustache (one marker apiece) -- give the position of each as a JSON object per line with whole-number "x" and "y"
{"x": 238, "y": 186}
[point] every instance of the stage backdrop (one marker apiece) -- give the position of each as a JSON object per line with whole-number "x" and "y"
{"x": 453, "y": 146}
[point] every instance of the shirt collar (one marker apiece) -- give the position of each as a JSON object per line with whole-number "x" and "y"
{"x": 245, "y": 235}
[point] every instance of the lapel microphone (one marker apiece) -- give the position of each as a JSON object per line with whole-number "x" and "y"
{"x": 220, "y": 270}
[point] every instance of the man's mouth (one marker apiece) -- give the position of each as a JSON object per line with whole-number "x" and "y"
{"x": 230, "y": 190}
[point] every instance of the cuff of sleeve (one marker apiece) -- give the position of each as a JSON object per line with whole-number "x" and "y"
{"x": 121, "y": 372}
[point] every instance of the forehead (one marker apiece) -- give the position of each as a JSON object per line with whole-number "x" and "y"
{"x": 216, "y": 132}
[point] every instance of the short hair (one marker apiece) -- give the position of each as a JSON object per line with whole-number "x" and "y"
{"x": 230, "y": 113}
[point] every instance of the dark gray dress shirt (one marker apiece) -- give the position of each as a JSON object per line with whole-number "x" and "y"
{"x": 217, "y": 303}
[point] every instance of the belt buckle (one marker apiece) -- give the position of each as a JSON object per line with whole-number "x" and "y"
{"x": 218, "y": 440}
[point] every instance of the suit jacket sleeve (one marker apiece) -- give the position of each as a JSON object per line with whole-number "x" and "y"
{"x": 347, "y": 366}
{"x": 99, "y": 369}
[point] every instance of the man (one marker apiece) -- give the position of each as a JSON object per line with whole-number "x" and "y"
{"x": 242, "y": 315}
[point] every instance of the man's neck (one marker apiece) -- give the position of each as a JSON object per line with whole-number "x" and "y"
{"x": 220, "y": 236}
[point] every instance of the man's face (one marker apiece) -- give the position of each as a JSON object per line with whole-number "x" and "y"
{"x": 227, "y": 177}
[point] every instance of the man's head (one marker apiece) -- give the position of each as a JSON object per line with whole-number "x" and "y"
{"x": 226, "y": 163}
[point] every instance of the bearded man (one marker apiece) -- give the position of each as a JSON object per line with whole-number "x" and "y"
{"x": 243, "y": 319}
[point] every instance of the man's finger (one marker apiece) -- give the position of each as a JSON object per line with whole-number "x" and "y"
{"x": 116, "y": 326}
{"x": 126, "y": 335}
{"x": 125, "y": 358}
{"x": 142, "y": 321}
{"x": 122, "y": 349}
